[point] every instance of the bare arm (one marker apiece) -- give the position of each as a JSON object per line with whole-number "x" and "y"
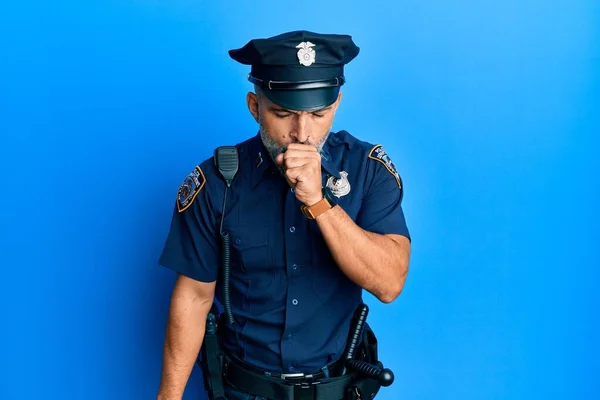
{"x": 190, "y": 303}
{"x": 378, "y": 263}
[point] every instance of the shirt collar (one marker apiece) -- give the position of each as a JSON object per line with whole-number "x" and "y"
{"x": 258, "y": 159}
{"x": 261, "y": 160}
{"x": 327, "y": 162}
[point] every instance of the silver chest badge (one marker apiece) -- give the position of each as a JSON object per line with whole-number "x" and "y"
{"x": 306, "y": 55}
{"x": 339, "y": 187}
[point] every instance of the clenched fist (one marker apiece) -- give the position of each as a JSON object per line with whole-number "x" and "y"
{"x": 301, "y": 164}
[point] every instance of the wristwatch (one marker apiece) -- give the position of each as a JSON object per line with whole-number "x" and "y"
{"x": 326, "y": 203}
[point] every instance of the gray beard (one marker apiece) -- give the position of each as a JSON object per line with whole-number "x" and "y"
{"x": 274, "y": 149}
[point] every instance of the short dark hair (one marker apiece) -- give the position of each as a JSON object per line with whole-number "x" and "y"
{"x": 258, "y": 91}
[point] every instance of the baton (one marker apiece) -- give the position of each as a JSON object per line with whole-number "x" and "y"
{"x": 360, "y": 316}
{"x": 384, "y": 375}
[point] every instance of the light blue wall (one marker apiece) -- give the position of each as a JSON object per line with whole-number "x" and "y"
{"x": 490, "y": 109}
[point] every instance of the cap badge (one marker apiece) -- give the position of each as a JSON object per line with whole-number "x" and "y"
{"x": 306, "y": 55}
{"x": 339, "y": 187}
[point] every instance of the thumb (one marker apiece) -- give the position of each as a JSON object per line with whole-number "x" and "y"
{"x": 279, "y": 159}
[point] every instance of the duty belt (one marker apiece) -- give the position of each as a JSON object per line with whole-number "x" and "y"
{"x": 296, "y": 386}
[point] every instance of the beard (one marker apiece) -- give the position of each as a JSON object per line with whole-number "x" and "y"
{"x": 275, "y": 149}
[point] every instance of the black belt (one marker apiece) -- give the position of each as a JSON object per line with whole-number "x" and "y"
{"x": 285, "y": 386}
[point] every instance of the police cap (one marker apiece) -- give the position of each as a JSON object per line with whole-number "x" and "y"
{"x": 298, "y": 70}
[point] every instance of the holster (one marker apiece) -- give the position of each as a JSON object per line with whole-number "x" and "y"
{"x": 211, "y": 358}
{"x": 363, "y": 388}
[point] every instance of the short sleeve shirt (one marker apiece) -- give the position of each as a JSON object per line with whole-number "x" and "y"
{"x": 292, "y": 304}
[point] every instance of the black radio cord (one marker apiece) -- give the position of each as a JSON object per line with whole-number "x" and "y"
{"x": 226, "y": 251}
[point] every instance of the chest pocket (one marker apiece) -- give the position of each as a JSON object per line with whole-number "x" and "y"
{"x": 250, "y": 243}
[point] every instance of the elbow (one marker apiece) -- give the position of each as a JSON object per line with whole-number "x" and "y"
{"x": 394, "y": 287}
{"x": 391, "y": 294}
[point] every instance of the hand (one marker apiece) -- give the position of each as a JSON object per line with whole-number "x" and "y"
{"x": 302, "y": 166}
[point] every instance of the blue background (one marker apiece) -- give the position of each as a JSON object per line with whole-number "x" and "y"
{"x": 490, "y": 110}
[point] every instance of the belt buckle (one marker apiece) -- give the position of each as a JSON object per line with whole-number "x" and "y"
{"x": 292, "y": 376}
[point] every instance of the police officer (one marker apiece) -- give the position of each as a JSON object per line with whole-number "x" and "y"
{"x": 314, "y": 217}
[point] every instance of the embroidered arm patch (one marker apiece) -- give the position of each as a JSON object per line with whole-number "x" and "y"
{"x": 378, "y": 154}
{"x": 189, "y": 189}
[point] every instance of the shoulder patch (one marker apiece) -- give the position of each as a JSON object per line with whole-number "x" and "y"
{"x": 189, "y": 189}
{"x": 377, "y": 153}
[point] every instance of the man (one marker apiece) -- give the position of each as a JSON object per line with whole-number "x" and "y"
{"x": 313, "y": 217}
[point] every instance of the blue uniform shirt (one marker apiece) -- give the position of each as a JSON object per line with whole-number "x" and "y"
{"x": 291, "y": 302}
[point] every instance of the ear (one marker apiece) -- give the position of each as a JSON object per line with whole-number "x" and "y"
{"x": 252, "y": 103}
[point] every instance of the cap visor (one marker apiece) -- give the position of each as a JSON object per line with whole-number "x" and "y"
{"x": 303, "y": 100}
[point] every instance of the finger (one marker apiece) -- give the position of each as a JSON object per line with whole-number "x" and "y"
{"x": 303, "y": 173}
{"x": 302, "y": 147}
{"x": 302, "y": 154}
{"x": 296, "y": 162}
{"x": 292, "y": 174}
{"x": 291, "y": 183}
{"x": 290, "y": 178}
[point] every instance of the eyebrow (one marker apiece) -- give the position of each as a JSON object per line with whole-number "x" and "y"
{"x": 281, "y": 109}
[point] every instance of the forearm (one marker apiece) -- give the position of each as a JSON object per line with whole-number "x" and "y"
{"x": 183, "y": 339}
{"x": 373, "y": 261}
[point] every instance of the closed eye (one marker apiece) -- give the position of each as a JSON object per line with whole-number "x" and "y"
{"x": 284, "y": 113}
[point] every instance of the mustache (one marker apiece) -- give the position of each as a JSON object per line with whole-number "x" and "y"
{"x": 274, "y": 149}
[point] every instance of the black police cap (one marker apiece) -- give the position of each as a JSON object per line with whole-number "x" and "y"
{"x": 298, "y": 70}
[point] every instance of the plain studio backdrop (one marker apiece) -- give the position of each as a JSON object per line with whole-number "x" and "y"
{"x": 489, "y": 109}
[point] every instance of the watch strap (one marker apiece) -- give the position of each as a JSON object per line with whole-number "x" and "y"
{"x": 312, "y": 212}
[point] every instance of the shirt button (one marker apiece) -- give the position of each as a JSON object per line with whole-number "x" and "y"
{"x": 295, "y": 302}
{"x": 238, "y": 241}
{"x": 292, "y": 190}
{"x": 295, "y": 266}
{"x": 292, "y": 229}
{"x": 291, "y": 367}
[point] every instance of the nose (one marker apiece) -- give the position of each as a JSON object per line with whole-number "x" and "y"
{"x": 301, "y": 127}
